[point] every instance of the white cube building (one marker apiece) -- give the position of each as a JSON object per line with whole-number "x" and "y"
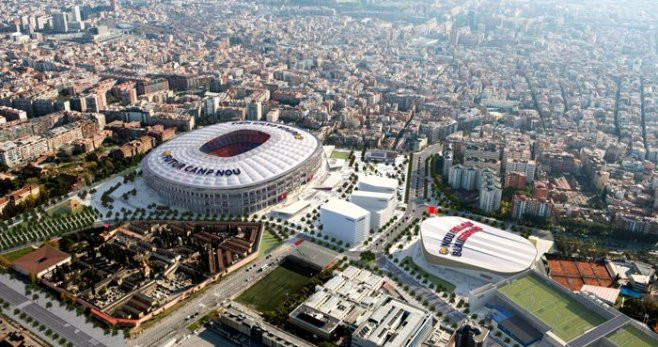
{"x": 378, "y": 184}
{"x": 345, "y": 221}
{"x": 380, "y": 205}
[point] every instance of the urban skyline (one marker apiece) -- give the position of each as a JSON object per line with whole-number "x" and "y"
{"x": 308, "y": 172}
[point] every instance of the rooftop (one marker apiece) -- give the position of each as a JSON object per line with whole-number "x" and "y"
{"x": 378, "y": 181}
{"x": 40, "y": 260}
{"x": 392, "y": 323}
{"x": 344, "y": 208}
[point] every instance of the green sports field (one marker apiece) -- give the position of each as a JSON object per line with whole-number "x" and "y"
{"x": 270, "y": 291}
{"x": 340, "y": 155}
{"x": 631, "y": 336}
{"x": 567, "y": 318}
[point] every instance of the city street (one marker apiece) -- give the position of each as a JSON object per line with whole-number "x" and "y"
{"x": 47, "y": 316}
{"x": 174, "y": 325}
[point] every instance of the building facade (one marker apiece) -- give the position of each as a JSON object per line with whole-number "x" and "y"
{"x": 345, "y": 221}
{"x": 233, "y": 168}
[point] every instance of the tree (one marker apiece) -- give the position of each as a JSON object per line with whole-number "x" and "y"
{"x": 367, "y": 256}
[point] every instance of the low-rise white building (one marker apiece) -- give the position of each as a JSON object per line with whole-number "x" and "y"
{"x": 345, "y": 221}
{"x": 380, "y": 205}
{"x": 377, "y": 184}
{"x": 343, "y": 300}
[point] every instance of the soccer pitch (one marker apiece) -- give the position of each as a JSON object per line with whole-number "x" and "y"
{"x": 340, "y": 155}
{"x": 271, "y": 290}
{"x": 631, "y": 336}
{"x": 567, "y": 318}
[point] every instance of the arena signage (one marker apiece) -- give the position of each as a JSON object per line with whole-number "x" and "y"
{"x": 292, "y": 131}
{"x": 179, "y": 165}
{"x": 468, "y": 229}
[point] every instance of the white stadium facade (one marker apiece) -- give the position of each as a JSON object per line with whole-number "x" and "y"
{"x": 474, "y": 248}
{"x": 233, "y": 168}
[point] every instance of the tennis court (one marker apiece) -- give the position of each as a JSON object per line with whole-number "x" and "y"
{"x": 567, "y": 318}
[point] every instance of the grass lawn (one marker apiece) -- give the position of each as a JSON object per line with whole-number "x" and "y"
{"x": 270, "y": 291}
{"x": 449, "y": 287}
{"x": 567, "y": 318}
{"x": 12, "y": 256}
{"x": 268, "y": 243}
{"x": 631, "y": 336}
{"x": 340, "y": 155}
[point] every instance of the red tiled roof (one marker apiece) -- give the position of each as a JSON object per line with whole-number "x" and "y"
{"x": 40, "y": 259}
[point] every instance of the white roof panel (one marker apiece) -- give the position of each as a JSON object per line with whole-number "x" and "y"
{"x": 378, "y": 181}
{"x": 285, "y": 149}
{"x": 344, "y": 208}
{"x": 465, "y": 241}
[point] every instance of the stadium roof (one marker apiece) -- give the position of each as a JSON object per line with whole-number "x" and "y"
{"x": 232, "y": 155}
{"x": 475, "y": 244}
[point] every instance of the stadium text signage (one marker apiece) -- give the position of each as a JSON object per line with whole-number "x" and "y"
{"x": 292, "y": 131}
{"x": 179, "y": 165}
{"x": 468, "y": 229}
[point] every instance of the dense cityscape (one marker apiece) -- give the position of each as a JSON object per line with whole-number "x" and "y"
{"x": 328, "y": 173}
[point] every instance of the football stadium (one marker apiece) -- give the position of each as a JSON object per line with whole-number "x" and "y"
{"x": 233, "y": 168}
{"x": 474, "y": 248}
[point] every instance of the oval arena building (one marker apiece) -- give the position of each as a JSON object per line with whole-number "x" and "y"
{"x": 233, "y": 168}
{"x": 474, "y": 248}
